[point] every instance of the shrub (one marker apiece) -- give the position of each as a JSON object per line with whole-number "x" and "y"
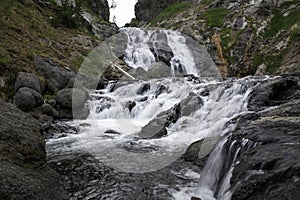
{"x": 67, "y": 15}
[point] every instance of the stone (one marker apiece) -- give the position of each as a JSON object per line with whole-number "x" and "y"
{"x": 56, "y": 76}
{"x": 269, "y": 163}
{"x": 143, "y": 89}
{"x": 24, "y": 172}
{"x": 47, "y": 109}
{"x": 71, "y": 98}
{"x": 130, "y": 105}
{"x": 99, "y": 7}
{"x": 28, "y": 80}
{"x": 156, "y": 128}
{"x": 26, "y": 99}
{"x": 261, "y": 70}
{"x": 146, "y": 10}
{"x": 190, "y": 104}
{"x": 200, "y": 149}
{"x": 274, "y": 92}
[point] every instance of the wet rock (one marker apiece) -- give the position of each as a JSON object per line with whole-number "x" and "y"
{"x": 269, "y": 164}
{"x": 156, "y": 128}
{"x": 159, "y": 70}
{"x": 190, "y": 104}
{"x": 24, "y": 173}
{"x": 161, "y": 89}
{"x": 26, "y": 99}
{"x": 56, "y": 76}
{"x": 274, "y": 92}
{"x": 110, "y": 131}
{"x": 143, "y": 89}
{"x": 130, "y": 105}
{"x": 204, "y": 63}
{"x": 28, "y": 80}
{"x": 199, "y": 150}
{"x": 195, "y": 198}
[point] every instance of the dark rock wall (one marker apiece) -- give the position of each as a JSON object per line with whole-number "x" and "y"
{"x": 146, "y": 10}
{"x": 23, "y": 170}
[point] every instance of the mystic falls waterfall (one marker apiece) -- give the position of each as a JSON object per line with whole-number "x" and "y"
{"x": 160, "y": 125}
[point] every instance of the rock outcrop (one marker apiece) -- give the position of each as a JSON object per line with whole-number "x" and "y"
{"x": 24, "y": 173}
{"x": 268, "y": 163}
{"x": 56, "y": 76}
{"x": 146, "y": 10}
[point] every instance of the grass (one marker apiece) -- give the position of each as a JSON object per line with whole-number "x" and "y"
{"x": 280, "y": 22}
{"x": 215, "y": 16}
{"x": 170, "y": 12}
{"x": 272, "y": 61}
{"x": 26, "y": 30}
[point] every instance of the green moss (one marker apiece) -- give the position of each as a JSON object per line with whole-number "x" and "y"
{"x": 206, "y": 2}
{"x": 215, "y": 16}
{"x": 5, "y": 60}
{"x": 78, "y": 61}
{"x": 272, "y": 61}
{"x": 258, "y": 59}
{"x": 170, "y": 12}
{"x": 226, "y": 38}
{"x": 280, "y": 22}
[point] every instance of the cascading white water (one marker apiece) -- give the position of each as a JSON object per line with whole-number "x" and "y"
{"x": 110, "y": 133}
{"x": 140, "y": 54}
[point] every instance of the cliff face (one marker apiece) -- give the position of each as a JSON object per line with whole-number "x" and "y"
{"x": 146, "y": 10}
{"x": 251, "y": 33}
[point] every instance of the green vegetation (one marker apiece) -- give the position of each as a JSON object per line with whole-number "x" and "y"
{"x": 4, "y": 60}
{"x": 272, "y": 61}
{"x": 280, "y": 22}
{"x": 67, "y": 15}
{"x": 206, "y": 2}
{"x": 171, "y": 11}
{"x": 215, "y": 16}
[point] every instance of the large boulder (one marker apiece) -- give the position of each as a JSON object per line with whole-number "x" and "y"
{"x": 70, "y": 104}
{"x": 156, "y": 128}
{"x": 24, "y": 173}
{"x": 274, "y": 92}
{"x": 26, "y": 99}
{"x": 28, "y": 80}
{"x": 56, "y": 76}
{"x": 71, "y": 98}
{"x": 269, "y": 163}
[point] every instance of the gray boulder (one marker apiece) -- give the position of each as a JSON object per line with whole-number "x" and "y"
{"x": 274, "y": 92}
{"x": 200, "y": 149}
{"x": 156, "y": 128}
{"x": 190, "y": 104}
{"x": 71, "y": 98}
{"x": 269, "y": 163}
{"x": 24, "y": 173}
{"x": 56, "y": 76}
{"x": 28, "y": 80}
{"x": 26, "y": 99}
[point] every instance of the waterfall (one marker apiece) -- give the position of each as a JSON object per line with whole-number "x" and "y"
{"x": 120, "y": 112}
{"x": 144, "y": 47}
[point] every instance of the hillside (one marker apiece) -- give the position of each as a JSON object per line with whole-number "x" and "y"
{"x": 39, "y": 27}
{"x": 240, "y": 36}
